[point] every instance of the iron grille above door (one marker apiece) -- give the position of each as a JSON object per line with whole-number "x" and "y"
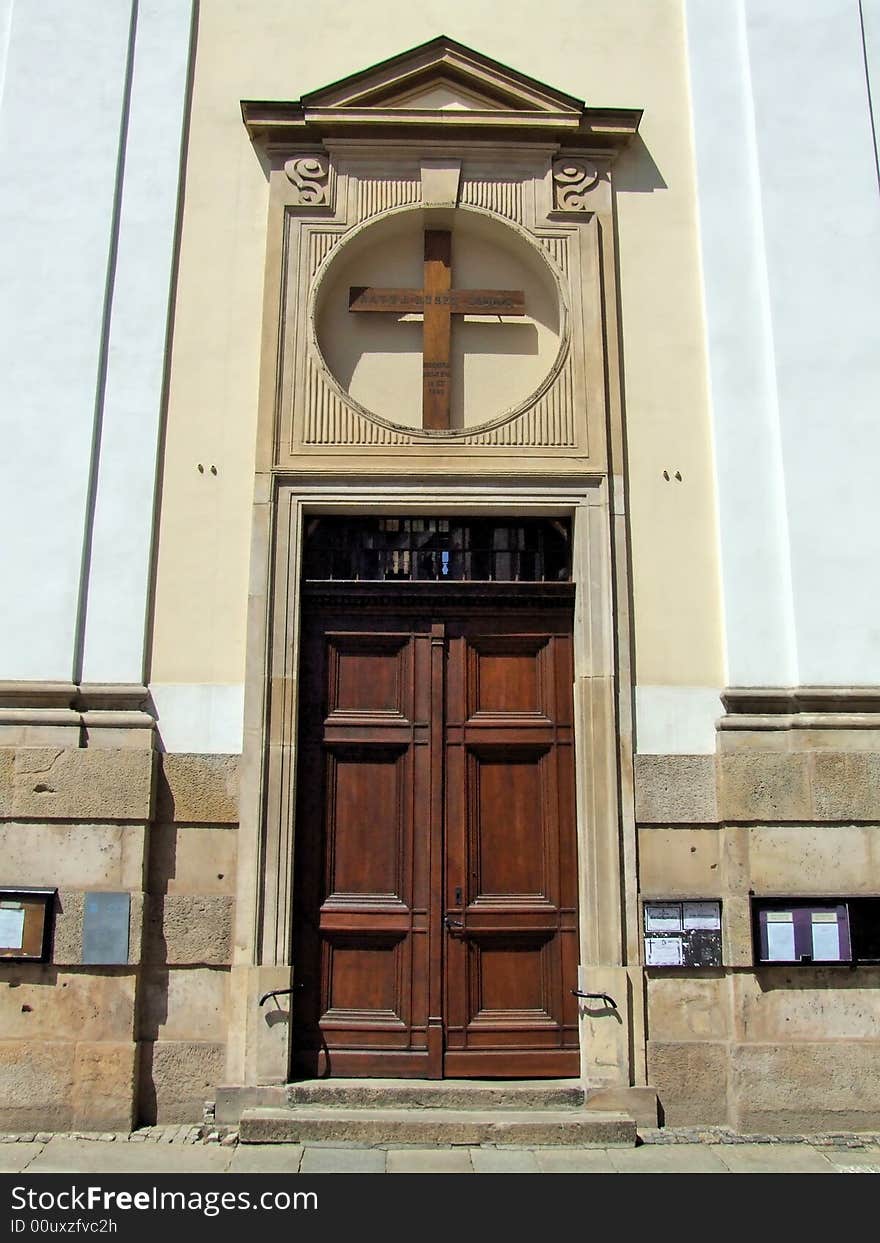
{"x": 431, "y": 549}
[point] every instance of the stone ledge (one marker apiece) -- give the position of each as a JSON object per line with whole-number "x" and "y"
{"x": 800, "y": 707}
{"x": 42, "y": 714}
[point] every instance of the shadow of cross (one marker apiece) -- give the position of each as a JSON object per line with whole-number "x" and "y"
{"x": 438, "y": 302}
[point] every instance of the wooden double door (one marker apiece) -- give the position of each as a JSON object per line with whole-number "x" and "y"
{"x": 435, "y": 896}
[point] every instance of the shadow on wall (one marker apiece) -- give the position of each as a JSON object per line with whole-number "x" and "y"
{"x": 820, "y": 979}
{"x": 635, "y": 171}
{"x": 187, "y": 940}
{"x": 152, "y": 1007}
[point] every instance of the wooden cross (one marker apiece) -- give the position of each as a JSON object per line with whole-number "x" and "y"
{"x": 438, "y": 302}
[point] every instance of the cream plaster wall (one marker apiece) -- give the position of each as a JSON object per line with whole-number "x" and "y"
{"x": 623, "y": 54}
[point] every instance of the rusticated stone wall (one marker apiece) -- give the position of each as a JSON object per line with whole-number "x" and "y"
{"x": 773, "y": 1049}
{"x": 101, "y": 1047}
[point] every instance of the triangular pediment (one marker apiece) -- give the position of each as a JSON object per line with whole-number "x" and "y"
{"x": 443, "y": 95}
{"x": 439, "y": 89}
{"x": 442, "y": 75}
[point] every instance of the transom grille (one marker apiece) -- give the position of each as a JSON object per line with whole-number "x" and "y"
{"x": 419, "y": 549}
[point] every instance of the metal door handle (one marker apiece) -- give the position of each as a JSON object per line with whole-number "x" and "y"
{"x": 609, "y": 1001}
{"x": 452, "y": 923}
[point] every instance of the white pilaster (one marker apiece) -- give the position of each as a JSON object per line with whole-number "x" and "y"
{"x": 121, "y": 541}
{"x": 751, "y": 490}
{"x": 821, "y": 214}
{"x": 62, "y": 107}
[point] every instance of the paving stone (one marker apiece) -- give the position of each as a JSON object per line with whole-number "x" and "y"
{"x": 674, "y": 1159}
{"x": 504, "y": 1161}
{"x": 266, "y": 1159}
{"x": 852, "y": 1161}
{"x": 429, "y": 1161}
{"x": 342, "y": 1161}
{"x": 65, "y": 1156}
{"x": 775, "y": 1159}
{"x": 574, "y": 1161}
{"x": 14, "y": 1158}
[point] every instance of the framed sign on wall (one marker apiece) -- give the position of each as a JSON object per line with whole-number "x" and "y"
{"x": 26, "y": 924}
{"x": 682, "y": 933}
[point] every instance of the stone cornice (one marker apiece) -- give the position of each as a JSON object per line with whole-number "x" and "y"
{"x": 38, "y": 703}
{"x": 800, "y": 707}
{"x": 279, "y": 127}
{"x": 508, "y": 106}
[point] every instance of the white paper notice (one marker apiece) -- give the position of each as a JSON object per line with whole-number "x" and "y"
{"x": 663, "y": 952}
{"x": 662, "y": 918}
{"x": 780, "y": 937}
{"x": 11, "y": 928}
{"x": 826, "y": 938}
{"x": 702, "y": 915}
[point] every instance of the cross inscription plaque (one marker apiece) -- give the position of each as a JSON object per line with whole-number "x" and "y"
{"x": 438, "y": 302}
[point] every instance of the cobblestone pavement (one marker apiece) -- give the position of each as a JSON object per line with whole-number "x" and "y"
{"x": 200, "y": 1149}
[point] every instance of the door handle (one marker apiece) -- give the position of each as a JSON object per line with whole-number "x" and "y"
{"x": 452, "y": 923}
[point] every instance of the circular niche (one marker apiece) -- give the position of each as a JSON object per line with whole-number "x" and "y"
{"x": 496, "y": 365}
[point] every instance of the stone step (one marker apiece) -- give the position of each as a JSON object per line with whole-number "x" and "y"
{"x": 534, "y": 1128}
{"x": 436, "y": 1094}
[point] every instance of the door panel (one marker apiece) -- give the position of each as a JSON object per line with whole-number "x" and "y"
{"x": 361, "y": 878}
{"x": 436, "y": 881}
{"x": 510, "y": 832}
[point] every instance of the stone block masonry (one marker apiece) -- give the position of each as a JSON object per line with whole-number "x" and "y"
{"x": 102, "y": 1048}
{"x": 769, "y": 1049}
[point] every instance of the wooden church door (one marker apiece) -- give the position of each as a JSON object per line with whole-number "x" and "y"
{"x": 435, "y": 905}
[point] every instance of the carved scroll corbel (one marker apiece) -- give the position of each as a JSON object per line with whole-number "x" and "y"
{"x": 310, "y": 177}
{"x": 574, "y": 178}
